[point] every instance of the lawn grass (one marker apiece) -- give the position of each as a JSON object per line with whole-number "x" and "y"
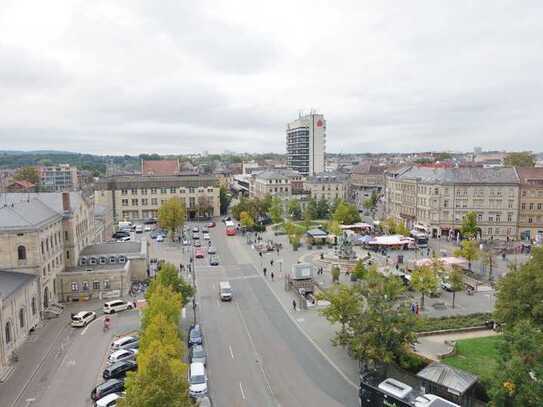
{"x": 477, "y": 355}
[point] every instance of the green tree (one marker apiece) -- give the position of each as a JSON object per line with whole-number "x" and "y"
{"x": 323, "y": 209}
{"x": 169, "y": 277}
{"x": 172, "y": 215}
{"x": 344, "y": 305}
{"x": 29, "y": 174}
{"x": 346, "y": 214}
{"x": 489, "y": 261}
{"x": 333, "y": 227}
{"x": 294, "y": 209}
{"x": 520, "y": 159}
{"x": 518, "y": 379}
{"x": 224, "y": 199}
{"x": 295, "y": 240}
{"x": 455, "y": 278}
{"x": 161, "y": 330}
{"x": 266, "y": 204}
{"x": 276, "y": 210}
{"x": 308, "y": 218}
{"x": 360, "y": 270}
{"x": 469, "y": 225}
{"x": 468, "y": 250}
{"x": 246, "y": 220}
{"x": 424, "y": 281}
{"x": 159, "y": 381}
{"x": 390, "y": 226}
{"x": 162, "y": 300}
{"x": 520, "y": 292}
{"x": 402, "y": 229}
{"x": 312, "y": 209}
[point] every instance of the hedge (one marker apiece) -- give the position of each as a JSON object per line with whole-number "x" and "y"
{"x": 453, "y": 322}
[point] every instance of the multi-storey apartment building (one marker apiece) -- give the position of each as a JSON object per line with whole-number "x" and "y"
{"x": 138, "y": 197}
{"x": 274, "y": 182}
{"x": 530, "y": 223}
{"x": 329, "y": 186}
{"x": 32, "y": 242}
{"x": 440, "y": 197}
{"x": 62, "y": 177}
{"x": 306, "y": 144}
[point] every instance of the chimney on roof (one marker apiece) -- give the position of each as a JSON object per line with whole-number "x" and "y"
{"x": 66, "y": 202}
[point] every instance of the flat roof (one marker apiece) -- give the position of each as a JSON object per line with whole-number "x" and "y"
{"x": 109, "y": 248}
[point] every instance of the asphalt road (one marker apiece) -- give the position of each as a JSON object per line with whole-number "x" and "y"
{"x": 257, "y": 356}
{"x": 72, "y": 369}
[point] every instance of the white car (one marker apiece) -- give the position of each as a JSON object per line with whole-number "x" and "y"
{"x": 206, "y": 236}
{"x": 83, "y": 318}
{"x": 122, "y": 354}
{"x": 186, "y": 242}
{"x": 124, "y": 239}
{"x": 123, "y": 342}
{"x": 108, "y": 401}
{"x": 160, "y": 238}
{"x": 147, "y": 228}
{"x": 139, "y": 228}
{"x": 197, "y": 380}
{"x": 114, "y": 306}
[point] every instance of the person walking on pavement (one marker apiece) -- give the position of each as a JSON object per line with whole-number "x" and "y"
{"x": 264, "y": 270}
{"x": 271, "y": 275}
{"x": 294, "y": 305}
{"x": 271, "y": 262}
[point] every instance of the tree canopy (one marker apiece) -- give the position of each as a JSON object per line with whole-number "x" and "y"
{"x": 346, "y": 214}
{"x": 294, "y": 209}
{"x": 469, "y": 227}
{"x": 172, "y": 215}
{"x": 276, "y": 210}
{"x": 520, "y": 159}
{"x": 425, "y": 281}
{"x": 29, "y": 174}
{"x": 469, "y": 250}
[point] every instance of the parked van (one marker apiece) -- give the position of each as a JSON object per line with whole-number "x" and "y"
{"x": 225, "y": 291}
{"x": 114, "y": 306}
{"x": 197, "y": 380}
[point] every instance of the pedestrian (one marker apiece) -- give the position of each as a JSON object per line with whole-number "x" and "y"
{"x": 271, "y": 262}
{"x": 271, "y": 275}
{"x": 294, "y": 305}
{"x": 265, "y": 271}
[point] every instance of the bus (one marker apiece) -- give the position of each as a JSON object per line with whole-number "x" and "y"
{"x": 230, "y": 228}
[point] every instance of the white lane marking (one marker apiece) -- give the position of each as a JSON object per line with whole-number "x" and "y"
{"x": 184, "y": 313}
{"x": 242, "y": 392}
{"x": 309, "y": 338}
{"x": 231, "y": 353}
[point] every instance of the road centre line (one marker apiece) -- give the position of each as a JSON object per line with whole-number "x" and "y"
{"x": 242, "y": 392}
{"x": 231, "y": 353}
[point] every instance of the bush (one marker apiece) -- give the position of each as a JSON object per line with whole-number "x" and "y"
{"x": 453, "y": 322}
{"x": 259, "y": 228}
{"x": 411, "y": 362}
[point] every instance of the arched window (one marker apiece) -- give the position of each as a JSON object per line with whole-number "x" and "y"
{"x": 21, "y": 252}
{"x": 22, "y": 318}
{"x": 33, "y": 304}
{"x": 8, "y": 332}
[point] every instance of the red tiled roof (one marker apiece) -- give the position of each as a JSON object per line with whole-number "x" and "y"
{"x": 160, "y": 167}
{"x": 527, "y": 174}
{"x": 22, "y": 184}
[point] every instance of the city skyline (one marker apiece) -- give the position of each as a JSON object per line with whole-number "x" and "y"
{"x": 132, "y": 77}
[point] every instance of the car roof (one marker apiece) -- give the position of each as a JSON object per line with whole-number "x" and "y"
{"x": 120, "y": 352}
{"x": 114, "y": 302}
{"x": 197, "y": 368}
{"x": 124, "y": 339}
{"x": 109, "y": 398}
{"x": 120, "y": 363}
{"x": 108, "y": 383}
{"x": 81, "y": 313}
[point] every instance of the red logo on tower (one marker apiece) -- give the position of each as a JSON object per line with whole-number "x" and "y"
{"x": 319, "y": 123}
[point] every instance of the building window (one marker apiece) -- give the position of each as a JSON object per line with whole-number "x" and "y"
{"x": 75, "y": 286}
{"x": 498, "y": 218}
{"x": 153, "y": 190}
{"x": 134, "y": 191}
{"x": 509, "y": 217}
{"x": 67, "y": 254}
{"x": 210, "y": 190}
{"x": 22, "y": 317}
{"x": 65, "y": 235}
{"x": 191, "y": 190}
{"x": 96, "y": 285}
{"x": 479, "y": 217}
{"x": 8, "y": 332}
{"x": 539, "y": 206}
{"x": 173, "y": 190}
{"x": 106, "y": 284}
{"x": 144, "y": 201}
{"x": 144, "y": 191}
{"x": 523, "y": 206}
{"x": 163, "y": 190}
{"x": 530, "y": 220}
{"x": 531, "y": 206}
{"x": 134, "y": 202}
{"x": 33, "y": 305}
{"x": 124, "y": 191}
{"x": 124, "y": 202}
{"x": 85, "y": 286}
{"x": 154, "y": 201}
{"x": 21, "y": 252}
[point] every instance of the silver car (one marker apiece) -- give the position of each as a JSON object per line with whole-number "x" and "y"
{"x": 198, "y": 354}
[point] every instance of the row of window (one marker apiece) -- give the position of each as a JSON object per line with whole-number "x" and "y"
{"x": 202, "y": 201}
{"x": 95, "y": 285}
{"x": 171, "y": 190}
{"x": 531, "y": 206}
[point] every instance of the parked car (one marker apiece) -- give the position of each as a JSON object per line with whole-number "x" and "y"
{"x": 114, "y": 306}
{"x": 83, "y": 318}
{"x": 118, "y": 370}
{"x": 446, "y": 285}
{"x": 139, "y": 228}
{"x": 120, "y": 233}
{"x": 108, "y": 387}
{"x": 198, "y": 354}
{"x": 197, "y": 380}
{"x": 147, "y": 228}
{"x": 195, "y": 335}
{"x": 195, "y": 229}
{"x": 122, "y": 354}
{"x": 195, "y": 236}
{"x": 226, "y": 219}
{"x": 197, "y": 243}
{"x": 160, "y": 238}
{"x": 157, "y": 232}
{"x": 124, "y": 239}
{"x": 206, "y": 236}
{"x": 186, "y": 242}
{"x": 124, "y": 342}
{"x": 200, "y": 253}
{"x": 211, "y": 249}
{"x": 213, "y": 261}
{"x": 109, "y": 401}
{"x": 211, "y": 224}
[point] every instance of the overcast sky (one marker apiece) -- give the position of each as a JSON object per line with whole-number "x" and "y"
{"x": 174, "y": 76}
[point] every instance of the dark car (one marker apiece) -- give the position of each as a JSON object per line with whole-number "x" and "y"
{"x": 118, "y": 370}
{"x": 155, "y": 233}
{"x": 120, "y": 234}
{"x": 195, "y": 335}
{"x": 108, "y": 387}
{"x": 213, "y": 261}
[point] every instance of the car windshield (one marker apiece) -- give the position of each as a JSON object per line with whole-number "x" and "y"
{"x": 194, "y": 333}
{"x": 226, "y": 290}
{"x": 198, "y": 379}
{"x": 198, "y": 352}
